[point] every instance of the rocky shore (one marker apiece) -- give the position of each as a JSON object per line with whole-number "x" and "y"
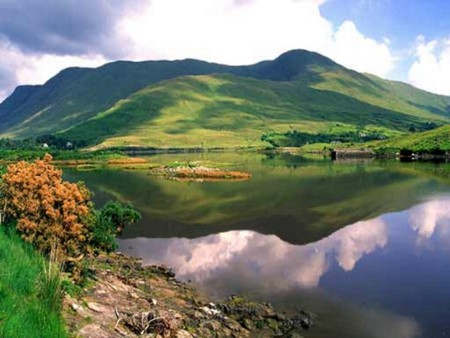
{"x": 126, "y": 299}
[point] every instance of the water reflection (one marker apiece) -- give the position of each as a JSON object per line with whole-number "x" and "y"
{"x": 434, "y": 215}
{"x": 253, "y": 256}
{"x": 366, "y": 263}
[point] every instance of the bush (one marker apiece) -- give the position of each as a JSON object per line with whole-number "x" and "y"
{"x": 50, "y": 213}
{"x": 110, "y": 221}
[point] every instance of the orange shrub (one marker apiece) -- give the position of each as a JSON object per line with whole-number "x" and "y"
{"x": 50, "y": 213}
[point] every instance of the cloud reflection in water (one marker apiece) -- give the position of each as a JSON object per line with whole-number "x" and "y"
{"x": 252, "y": 256}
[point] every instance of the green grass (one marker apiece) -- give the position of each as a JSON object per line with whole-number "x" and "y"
{"x": 228, "y": 112}
{"x": 11, "y": 155}
{"x": 425, "y": 142}
{"x": 30, "y": 301}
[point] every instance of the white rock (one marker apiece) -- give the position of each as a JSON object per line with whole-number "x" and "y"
{"x": 94, "y": 307}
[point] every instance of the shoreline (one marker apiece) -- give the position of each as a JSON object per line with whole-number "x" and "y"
{"x": 125, "y": 298}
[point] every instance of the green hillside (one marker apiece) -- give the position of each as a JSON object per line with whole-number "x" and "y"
{"x": 229, "y": 111}
{"x": 192, "y": 103}
{"x": 427, "y": 142}
{"x": 76, "y": 94}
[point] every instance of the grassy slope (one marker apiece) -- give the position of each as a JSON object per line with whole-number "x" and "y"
{"x": 438, "y": 138}
{"x": 395, "y": 96}
{"x": 230, "y": 111}
{"x": 26, "y": 309}
{"x": 76, "y": 95}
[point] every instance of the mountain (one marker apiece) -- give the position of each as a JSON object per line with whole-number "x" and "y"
{"x": 191, "y": 103}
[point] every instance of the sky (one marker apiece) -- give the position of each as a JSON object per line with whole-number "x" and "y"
{"x": 406, "y": 40}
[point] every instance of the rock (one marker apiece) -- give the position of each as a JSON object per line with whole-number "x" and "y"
{"x": 293, "y": 335}
{"x": 212, "y": 325}
{"x": 210, "y": 312}
{"x": 134, "y": 295}
{"x": 198, "y": 315}
{"x": 233, "y": 325}
{"x": 203, "y": 332}
{"x": 75, "y": 306}
{"x": 153, "y": 302}
{"x": 94, "y": 307}
{"x": 248, "y": 324}
{"x": 93, "y": 331}
{"x": 183, "y": 334}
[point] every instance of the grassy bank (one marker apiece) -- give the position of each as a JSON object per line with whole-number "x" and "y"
{"x": 29, "y": 298}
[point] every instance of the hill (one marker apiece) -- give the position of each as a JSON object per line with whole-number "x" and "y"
{"x": 192, "y": 103}
{"x": 426, "y": 142}
{"x": 228, "y": 111}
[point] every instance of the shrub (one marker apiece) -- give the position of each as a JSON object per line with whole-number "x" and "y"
{"x": 50, "y": 213}
{"x": 110, "y": 221}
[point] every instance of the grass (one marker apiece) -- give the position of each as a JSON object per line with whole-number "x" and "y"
{"x": 226, "y": 111}
{"x": 426, "y": 142}
{"x": 13, "y": 155}
{"x": 30, "y": 304}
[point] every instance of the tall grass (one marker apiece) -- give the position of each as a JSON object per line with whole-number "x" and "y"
{"x": 30, "y": 291}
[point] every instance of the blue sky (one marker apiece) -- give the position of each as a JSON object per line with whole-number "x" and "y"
{"x": 400, "y": 20}
{"x": 407, "y": 40}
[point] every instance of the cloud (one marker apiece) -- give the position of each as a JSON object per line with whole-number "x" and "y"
{"x": 19, "y": 68}
{"x": 352, "y": 49}
{"x": 54, "y": 34}
{"x": 71, "y": 27}
{"x": 11, "y": 60}
{"x": 430, "y": 217}
{"x": 247, "y": 31}
{"x": 431, "y": 69}
{"x": 250, "y": 257}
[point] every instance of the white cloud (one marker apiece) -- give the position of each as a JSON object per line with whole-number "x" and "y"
{"x": 224, "y": 31}
{"x": 253, "y": 31}
{"x": 430, "y": 217}
{"x": 252, "y": 256}
{"x": 19, "y": 68}
{"x": 352, "y": 49}
{"x": 431, "y": 70}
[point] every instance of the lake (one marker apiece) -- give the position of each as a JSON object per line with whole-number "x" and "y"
{"x": 365, "y": 245}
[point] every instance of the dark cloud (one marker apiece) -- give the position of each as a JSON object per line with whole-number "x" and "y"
{"x": 64, "y": 26}
{"x": 8, "y": 80}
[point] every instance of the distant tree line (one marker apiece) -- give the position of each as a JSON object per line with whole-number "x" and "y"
{"x": 297, "y": 139}
{"x": 39, "y": 142}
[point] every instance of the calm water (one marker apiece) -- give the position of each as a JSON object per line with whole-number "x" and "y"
{"x": 365, "y": 246}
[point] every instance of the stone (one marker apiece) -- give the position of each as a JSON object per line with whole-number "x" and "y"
{"x": 183, "y": 334}
{"x": 248, "y": 324}
{"x": 293, "y": 335}
{"x": 75, "y": 306}
{"x": 233, "y": 325}
{"x": 212, "y": 325}
{"x": 210, "y": 312}
{"x": 94, "y": 307}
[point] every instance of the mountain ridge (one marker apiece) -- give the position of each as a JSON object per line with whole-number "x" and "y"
{"x": 70, "y": 100}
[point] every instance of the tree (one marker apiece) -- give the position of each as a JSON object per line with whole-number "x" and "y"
{"x": 110, "y": 221}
